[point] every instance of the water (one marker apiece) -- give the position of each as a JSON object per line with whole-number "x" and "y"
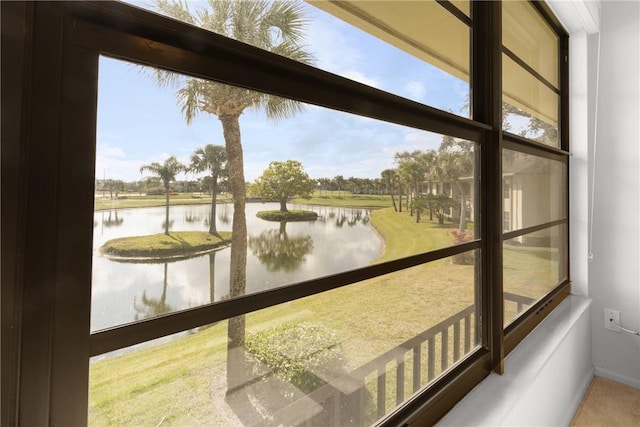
{"x": 277, "y": 254}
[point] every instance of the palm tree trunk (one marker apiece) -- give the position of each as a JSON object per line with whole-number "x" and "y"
{"x": 236, "y": 359}
{"x": 212, "y": 277}
{"x": 166, "y": 216}
{"x": 212, "y": 217}
{"x": 463, "y": 216}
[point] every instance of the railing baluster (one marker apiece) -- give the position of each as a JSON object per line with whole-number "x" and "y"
{"x": 358, "y": 404}
{"x": 456, "y": 341}
{"x": 417, "y": 366}
{"x": 444, "y": 361}
{"x": 431, "y": 356}
{"x": 362, "y": 393}
{"x": 335, "y": 409}
{"x": 467, "y": 334}
{"x": 519, "y": 309}
{"x": 382, "y": 392}
{"x": 400, "y": 380}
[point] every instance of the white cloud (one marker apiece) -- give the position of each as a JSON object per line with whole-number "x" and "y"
{"x": 416, "y": 90}
{"x": 335, "y": 49}
{"x": 425, "y": 140}
{"x": 108, "y": 151}
{"x": 360, "y": 77}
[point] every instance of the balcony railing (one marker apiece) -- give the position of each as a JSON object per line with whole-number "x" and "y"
{"x": 368, "y": 392}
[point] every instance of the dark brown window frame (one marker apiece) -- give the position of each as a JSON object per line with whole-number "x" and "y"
{"x": 62, "y": 48}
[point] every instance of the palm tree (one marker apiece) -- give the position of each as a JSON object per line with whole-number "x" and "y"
{"x": 456, "y": 161}
{"x": 166, "y": 172}
{"x": 389, "y": 178}
{"x": 213, "y": 159}
{"x": 273, "y": 26}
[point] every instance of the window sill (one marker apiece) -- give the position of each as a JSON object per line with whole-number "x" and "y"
{"x": 545, "y": 376}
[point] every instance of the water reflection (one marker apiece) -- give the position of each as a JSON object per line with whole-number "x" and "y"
{"x": 223, "y": 216}
{"x": 191, "y": 217}
{"x": 112, "y": 220}
{"x": 300, "y": 251}
{"x": 152, "y": 307}
{"x": 278, "y": 251}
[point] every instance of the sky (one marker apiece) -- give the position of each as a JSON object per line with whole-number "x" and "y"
{"x": 140, "y": 122}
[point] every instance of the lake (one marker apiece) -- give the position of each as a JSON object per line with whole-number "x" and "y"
{"x": 278, "y": 254}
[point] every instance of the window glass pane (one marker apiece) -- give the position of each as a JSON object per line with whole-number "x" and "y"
{"x": 324, "y": 360}
{"x": 417, "y": 50}
{"x": 526, "y": 34}
{"x": 533, "y": 265}
{"x": 530, "y": 108}
{"x": 534, "y": 189}
{"x": 344, "y": 192}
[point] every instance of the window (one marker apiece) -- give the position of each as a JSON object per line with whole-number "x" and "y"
{"x": 535, "y": 218}
{"x": 360, "y": 296}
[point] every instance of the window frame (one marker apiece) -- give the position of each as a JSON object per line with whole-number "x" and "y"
{"x": 66, "y": 42}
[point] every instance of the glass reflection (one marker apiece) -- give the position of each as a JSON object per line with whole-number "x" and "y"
{"x": 533, "y": 266}
{"x": 533, "y": 190}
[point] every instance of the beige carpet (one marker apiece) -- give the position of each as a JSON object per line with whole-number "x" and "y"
{"x": 608, "y": 403}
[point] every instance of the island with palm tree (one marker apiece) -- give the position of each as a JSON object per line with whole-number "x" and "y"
{"x": 181, "y": 244}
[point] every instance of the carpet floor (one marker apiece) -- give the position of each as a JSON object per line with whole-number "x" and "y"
{"x": 608, "y": 403}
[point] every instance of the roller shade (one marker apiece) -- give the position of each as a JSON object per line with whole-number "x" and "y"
{"x": 429, "y": 32}
{"x": 423, "y": 29}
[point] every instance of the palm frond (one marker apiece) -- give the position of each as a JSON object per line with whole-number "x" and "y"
{"x": 189, "y": 98}
{"x": 176, "y": 9}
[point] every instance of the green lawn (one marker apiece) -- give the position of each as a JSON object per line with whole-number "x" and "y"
{"x": 183, "y": 382}
{"x": 177, "y": 244}
{"x": 126, "y": 201}
{"x": 343, "y": 198}
{"x": 346, "y": 199}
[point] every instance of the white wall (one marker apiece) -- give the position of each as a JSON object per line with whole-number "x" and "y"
{"x": 614, "y": 272}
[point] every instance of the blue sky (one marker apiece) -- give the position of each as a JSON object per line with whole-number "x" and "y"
{"x": 139, "y": 122}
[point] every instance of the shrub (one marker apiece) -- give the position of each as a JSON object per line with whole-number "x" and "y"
{"x": 459, "y": 237}
{"x": 296, "y": 352}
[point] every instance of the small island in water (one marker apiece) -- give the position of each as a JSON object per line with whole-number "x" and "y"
{"x": 160, "y": 247}
{"x": 289, "y": 215}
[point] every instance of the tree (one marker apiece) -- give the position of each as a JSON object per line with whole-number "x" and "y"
{"x": 282, "y": 180}
{"x": 414, "y": 173}
{"x": 213, "y": 159}
{"x": 456, "y": 161}
{"x": 439, "y": 203}
{"x": 273, "y": 26}
{"x": 389, "y": 180}
{"x": 166, "y": 172}
{"x": 339, "y": 183}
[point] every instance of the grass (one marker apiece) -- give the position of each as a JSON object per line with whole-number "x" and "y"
{"x": 290, "y": 215}
{"x": 347, "y": 199}
{"x": 183, "y": 382}
{"x": 177, "y": 244}
{"x": 325, "y": 198}
{"x": 127, "y": 201}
